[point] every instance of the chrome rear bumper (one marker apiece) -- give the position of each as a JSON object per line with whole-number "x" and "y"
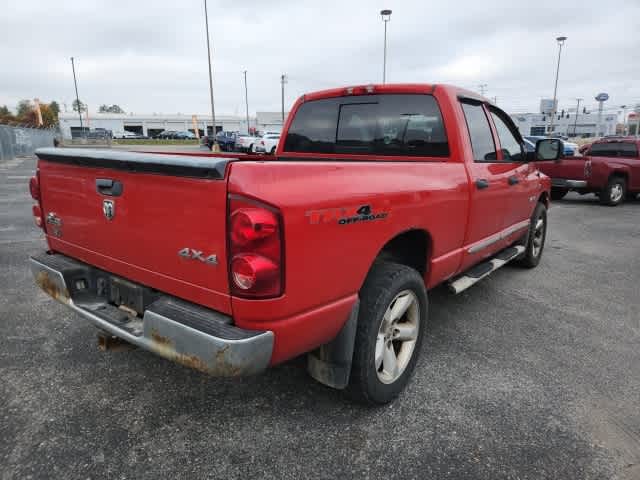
{"x": 183, "y": 332}
{"x": 565, "y": 183}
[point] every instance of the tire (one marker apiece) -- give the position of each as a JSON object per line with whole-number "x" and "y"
{"x": 273, "y": 151}
{"x": 558, "y": 193}
{"x": 387, "y": 284}
{"x": 250, "y": 148}
{"x": 535, "y": 238}
{"x": 615, "y": 191}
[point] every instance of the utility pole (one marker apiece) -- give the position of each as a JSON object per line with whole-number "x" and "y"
{"x": 75, "y": 82}
{"x": 575, "y": 120}
{"x": 214, "y": 147}
{"x": 283, "y": 80}
{"x": 554, "y": 109}
{"x": 246, "y": 99}
{"x": 624, "y": 119}
{"x": 483, "y": 88}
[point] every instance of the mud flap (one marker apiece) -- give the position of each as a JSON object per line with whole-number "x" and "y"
{"x": 330, "y": 364}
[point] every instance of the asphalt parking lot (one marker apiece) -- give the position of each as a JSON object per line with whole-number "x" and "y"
{"x": 527, "y": 375}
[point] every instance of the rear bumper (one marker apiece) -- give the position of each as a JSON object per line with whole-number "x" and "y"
{"x": 179, "y": 331}
{"x": 566, "y": 183}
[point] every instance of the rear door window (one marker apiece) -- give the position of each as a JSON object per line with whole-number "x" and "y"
{"x": 403, "y": 125}
{"x": 484, "y": 148}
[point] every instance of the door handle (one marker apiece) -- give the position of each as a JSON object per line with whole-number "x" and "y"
{"x": 108, "y": 186}
{"x": 482, "y": 183}
{"x": 513, "y": 180}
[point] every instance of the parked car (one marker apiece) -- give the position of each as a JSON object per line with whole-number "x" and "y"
{"x": 329, "y": 253}
{"x": 166, "y": 134}
{"x": 226, "y": 140}
{"x": 570, "y": 149}
{"x": 610, "y": 169}
{"x": 268, "y": 144}
{"x": 244, "y": 143}
{"x": 183, "y": 135}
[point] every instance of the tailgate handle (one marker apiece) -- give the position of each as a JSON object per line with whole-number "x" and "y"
{"x": 108, "y": 186}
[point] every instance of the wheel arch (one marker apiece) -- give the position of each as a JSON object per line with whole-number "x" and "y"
{"x": 619, "y": 172}
{"x": 544, "y": 199}
{"x": 411, "y": 247}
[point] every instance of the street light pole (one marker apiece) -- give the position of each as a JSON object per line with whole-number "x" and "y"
{"x": 283, "y": 80}
{"x": 575, "y": 120}
{"x": 624, "y": 119}
{"x": 214, "y": 147}
{"x": 386, "y": 17}
{"x": 246, "y": 99}
{"x": 75, "y": 83}
{"x": 560, "y": 41}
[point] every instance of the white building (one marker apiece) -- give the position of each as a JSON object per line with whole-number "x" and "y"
{"x": 152, "y": 124}
{"x": 586, "y": 125}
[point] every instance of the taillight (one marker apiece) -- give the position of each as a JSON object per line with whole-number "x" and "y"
{"x": 34, "y": 188}
{"x": 255, "y": 249}
{"x": 587, "y": 168}
{"x": 37, "y": 215}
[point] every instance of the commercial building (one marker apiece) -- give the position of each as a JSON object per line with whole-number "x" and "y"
{"x": 586, "y": 124}
{"x": 152, "y": 124}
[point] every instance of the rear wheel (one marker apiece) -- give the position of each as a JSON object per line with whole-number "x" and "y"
{"x": 391, "y": 324}
{"x": 615, "y": 191}
{"x": 535, "y": 238}
{"x": 273, "y": 150}
{"x": 558, "y": 193}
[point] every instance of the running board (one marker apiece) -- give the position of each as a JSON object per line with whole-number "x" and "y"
{"x": 478, "y": 272}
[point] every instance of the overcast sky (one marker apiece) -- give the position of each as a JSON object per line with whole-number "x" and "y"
{"x": 150, "y": 56}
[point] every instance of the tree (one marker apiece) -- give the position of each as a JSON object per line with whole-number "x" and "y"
{"x": 83, "y": 107}
{"x": 24, "y": 107}
{"x": 55, "y": 108}
{"x": 49, "y": 119}
{"x": 5, "y": 115}
{"x": 110, "y": 109}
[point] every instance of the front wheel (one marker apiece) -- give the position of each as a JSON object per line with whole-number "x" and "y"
{"x": 536, "y": 237}
{"x": 391, "y": 324}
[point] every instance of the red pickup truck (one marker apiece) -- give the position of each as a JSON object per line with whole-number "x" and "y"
{"x": 610, "y": 168}
{"x": 232, "y": 263}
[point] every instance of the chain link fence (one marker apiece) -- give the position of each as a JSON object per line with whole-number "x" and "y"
{"x": 20, "y": 141}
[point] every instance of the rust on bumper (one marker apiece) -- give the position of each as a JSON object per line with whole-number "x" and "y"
{"x": 228, "y": 351}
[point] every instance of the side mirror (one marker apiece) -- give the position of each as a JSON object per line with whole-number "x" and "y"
{"x": 549, "y": 149}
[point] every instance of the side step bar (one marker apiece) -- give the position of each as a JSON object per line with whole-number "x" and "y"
{"x": 477, "y": 273}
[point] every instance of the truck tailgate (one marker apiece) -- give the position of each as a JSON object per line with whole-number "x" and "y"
{"x": 156, "y": 219}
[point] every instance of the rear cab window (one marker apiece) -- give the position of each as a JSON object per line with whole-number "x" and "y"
{"x": 614, "y": 149}
{"x": 387, "y": 125}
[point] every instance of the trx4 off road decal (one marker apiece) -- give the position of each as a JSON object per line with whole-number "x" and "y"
{"x": 345, "y": 215}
